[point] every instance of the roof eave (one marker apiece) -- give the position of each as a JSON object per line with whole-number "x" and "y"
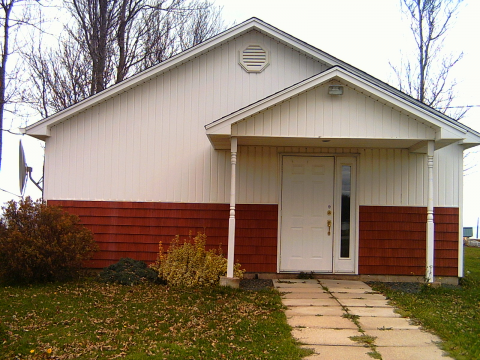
{"x": 147, "y": 75}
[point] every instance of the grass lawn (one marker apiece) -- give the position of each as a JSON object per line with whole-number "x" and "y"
{"x": 453, "y": 314}
{"x": 89, "y": 320}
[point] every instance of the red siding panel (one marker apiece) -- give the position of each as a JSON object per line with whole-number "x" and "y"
{"x": 393, "y": 240}
{"x": 134, "y": 229}
{"x": 446, "y": 241}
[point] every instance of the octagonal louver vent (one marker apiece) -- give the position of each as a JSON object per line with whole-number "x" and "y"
{"x": 254, "y": 58}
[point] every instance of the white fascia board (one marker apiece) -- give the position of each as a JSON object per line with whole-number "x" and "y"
{"x": 471, "y": 140}
{"x": 41, "y": 132}
{"x": 445, "y": 133}
{"x": 146, "y": 75}
{"x": 402, "y": 103}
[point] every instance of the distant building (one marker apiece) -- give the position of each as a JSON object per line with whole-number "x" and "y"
{"x": 467, "y": 233}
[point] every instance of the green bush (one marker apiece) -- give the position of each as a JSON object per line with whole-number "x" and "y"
{"x": 189, "y": 264}
{"x": 41, "y": 243}
{"x": 128, "y": 272}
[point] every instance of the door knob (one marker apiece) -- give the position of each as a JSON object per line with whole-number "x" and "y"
{"x": 329, "y": 224}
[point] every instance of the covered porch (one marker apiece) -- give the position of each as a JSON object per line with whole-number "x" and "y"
{"x": 337, "y": 155}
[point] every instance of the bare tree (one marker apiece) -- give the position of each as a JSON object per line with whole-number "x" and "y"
{"x": 425, "y": 76}
{"x": 110, "y": 40}
{"x": 14, "y": 15}
{"x": 58, "y": 77}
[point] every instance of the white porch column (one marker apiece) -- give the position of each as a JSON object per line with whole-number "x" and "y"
{"x": 430, "y": 222}
{"x": 231, "y": 220}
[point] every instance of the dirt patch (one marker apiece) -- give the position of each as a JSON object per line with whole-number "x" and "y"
{"x": 256, "y": 284}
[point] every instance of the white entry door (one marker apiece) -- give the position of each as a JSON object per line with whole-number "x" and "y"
{"x": 307, "y": 214}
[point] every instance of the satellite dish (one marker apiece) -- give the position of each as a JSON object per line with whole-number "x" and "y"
{"x": 22, "y": 168}
{"x": 24, "y": 171}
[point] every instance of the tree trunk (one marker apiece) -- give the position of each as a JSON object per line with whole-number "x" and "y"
{"x": 7, "y": 8}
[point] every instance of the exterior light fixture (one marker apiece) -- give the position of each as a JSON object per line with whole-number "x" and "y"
{"x": 335, "y": 90}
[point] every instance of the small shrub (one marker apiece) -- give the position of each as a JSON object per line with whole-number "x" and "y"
{"x": 189, "y": 264}
{"x": 128, "y": 272}
{"x": 41, "y": 243}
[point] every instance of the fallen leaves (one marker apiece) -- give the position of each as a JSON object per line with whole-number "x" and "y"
{"x": 99, "y": 321}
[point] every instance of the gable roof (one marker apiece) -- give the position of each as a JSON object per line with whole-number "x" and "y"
{"x": 446, "y": 131}
{"x": 41, "y": 129}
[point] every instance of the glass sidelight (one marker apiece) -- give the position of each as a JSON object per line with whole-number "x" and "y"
{"x": 345, "y": 211}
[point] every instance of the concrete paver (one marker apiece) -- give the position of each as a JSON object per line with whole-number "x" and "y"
{"x": 385, "y": 323}
{"x": 310, "y": 302}
{"x": 326, "y": 336}
{"x": 346, "y": 283}
{"x": 327, "y": 322}
{"x": 364, "y": 303}
{"x": 307, "y": 295}
{"x": 315, "y": 310}
{"x": 305, "y": 289}
{"x": 339, "y": 352}
{"x": 360, "y": 296}
{"x": 318, "y": 320}
{"x": 401, "y": 338}
{"x": 431, "y": 352}
{"x": 341, "y": 290}
{"x": 365, "y": 311}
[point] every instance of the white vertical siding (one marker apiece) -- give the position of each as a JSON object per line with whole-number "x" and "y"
{"x": 394, "y": 177}
{"x": 149, "y": 143}
{"x": 448, "y": 176}
{"x": 315, "y": 113}
{"x": 391, "y": 177}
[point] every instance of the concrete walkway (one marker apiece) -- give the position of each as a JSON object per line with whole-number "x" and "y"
{"x": 344, "y": 319}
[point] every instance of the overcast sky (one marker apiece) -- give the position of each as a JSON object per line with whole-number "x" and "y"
{"x": 366, "y": 34}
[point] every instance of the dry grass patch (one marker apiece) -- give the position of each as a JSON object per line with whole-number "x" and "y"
{"x": 453, "y": 313}
{"x": 89, "y": 320}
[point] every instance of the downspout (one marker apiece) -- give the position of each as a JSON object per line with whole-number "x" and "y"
{"x": 430, "y": 221}
{"x": 231, "y": 220}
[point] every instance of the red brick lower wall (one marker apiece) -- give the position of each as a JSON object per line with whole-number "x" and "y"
{"x": 134, "y": 229}
{"x": 392, "y": 240}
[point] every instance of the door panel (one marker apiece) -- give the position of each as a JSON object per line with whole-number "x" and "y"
{"x": 307, "y": 196}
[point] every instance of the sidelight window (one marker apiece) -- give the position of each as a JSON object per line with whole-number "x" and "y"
{"x": 345, "y": 211}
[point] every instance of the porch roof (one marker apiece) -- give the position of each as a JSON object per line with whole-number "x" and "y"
{"x": 366, "y": 115}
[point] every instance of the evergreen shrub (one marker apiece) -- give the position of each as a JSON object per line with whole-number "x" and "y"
{"x": 128, "y": 271}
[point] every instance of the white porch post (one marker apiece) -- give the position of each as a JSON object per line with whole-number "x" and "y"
{"x": 231, "y": 220}
{"x": 430, "y": 222}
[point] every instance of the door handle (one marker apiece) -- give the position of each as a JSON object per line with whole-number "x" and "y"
{"x": 329, "y": 224}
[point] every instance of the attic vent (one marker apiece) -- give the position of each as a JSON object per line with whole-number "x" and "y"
{"x": 254, "y": 58}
